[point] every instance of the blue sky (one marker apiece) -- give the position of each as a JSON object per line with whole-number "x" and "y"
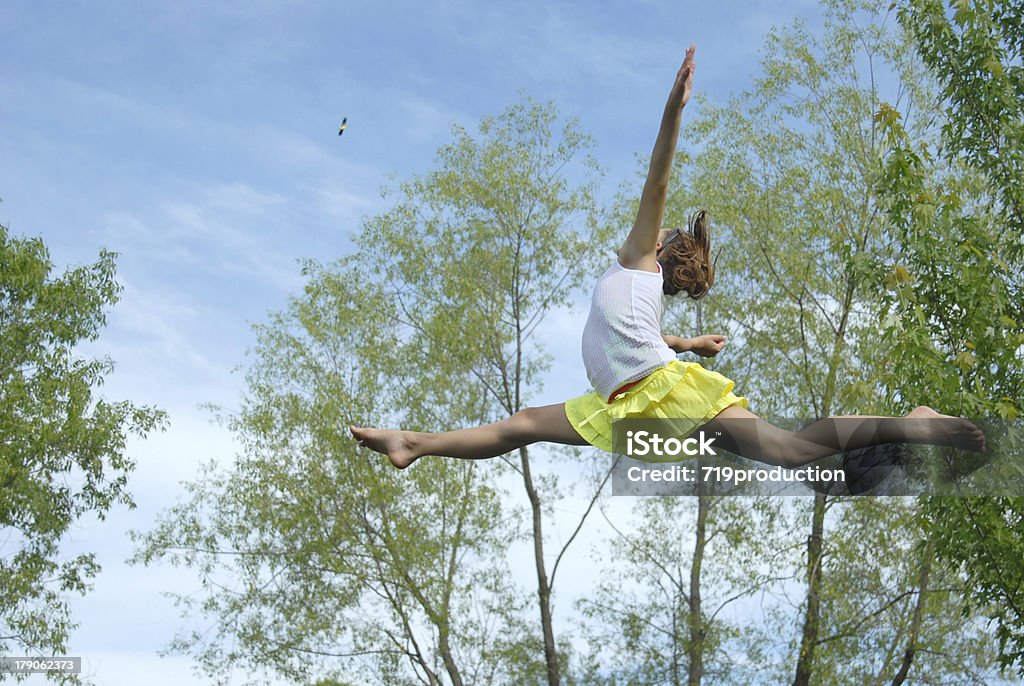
{"x": 199, "y": 141}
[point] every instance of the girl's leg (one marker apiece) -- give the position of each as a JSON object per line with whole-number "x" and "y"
{"x": 531, "y": 425}
{"x": 747, "y": 435}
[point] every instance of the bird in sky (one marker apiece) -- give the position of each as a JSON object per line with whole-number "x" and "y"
{"x": 344, "y": 123}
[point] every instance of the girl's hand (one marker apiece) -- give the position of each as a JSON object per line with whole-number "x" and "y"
{"x": 684, "y": 79}
{"x": 708, "y": 345}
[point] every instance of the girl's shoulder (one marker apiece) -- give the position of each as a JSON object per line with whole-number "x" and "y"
{"x": 617, "y": 266}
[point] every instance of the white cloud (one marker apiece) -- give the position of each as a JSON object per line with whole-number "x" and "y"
{"x": 335, "y": 201}
{"x": 154, "y": 330}
{"x": 428, "y": 120}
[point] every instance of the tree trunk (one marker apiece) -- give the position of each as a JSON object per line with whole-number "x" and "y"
{"x": 449, "y": 660}
{"x": 543, "y": 588}
{"x": 812, "y": 615}
{"x": 915, "y": 624}
{"x": 816, "y": 541}
{"x": 695, "y": 620}
{"x": 695, "y": 623}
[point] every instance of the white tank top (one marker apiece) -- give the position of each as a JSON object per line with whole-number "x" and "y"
{"x": 622, "y": 339}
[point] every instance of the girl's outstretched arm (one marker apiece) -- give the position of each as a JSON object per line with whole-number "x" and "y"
{"x": 638, "y": 252}
{"x": 707, "y": 345}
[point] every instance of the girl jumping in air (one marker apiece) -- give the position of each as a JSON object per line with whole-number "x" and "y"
{"x": 633, "y": 366}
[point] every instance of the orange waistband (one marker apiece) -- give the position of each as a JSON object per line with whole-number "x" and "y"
{"x": 623, "y": 388}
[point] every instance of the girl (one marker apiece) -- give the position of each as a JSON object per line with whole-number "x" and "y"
{"x": 633, "y": 366}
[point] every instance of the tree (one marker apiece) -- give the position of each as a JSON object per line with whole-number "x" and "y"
{"x": 488, "y": 246}
{"x": 956, "y": 298}
{"x": 790, "y": 172}
{"x": 317, "y": 558}
{"x": 334, "y": 560}
{"x": 662, "y": 615}
{"x": 975, "y": 52}
{"x": 62, "y": 449}
{"x": 890, "y": 614}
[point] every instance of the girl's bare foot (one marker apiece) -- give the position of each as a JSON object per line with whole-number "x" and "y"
{"x": 955, "y": 431}
{"x": 399, "y": 446}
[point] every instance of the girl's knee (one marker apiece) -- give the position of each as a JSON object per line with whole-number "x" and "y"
{"x": 786, "y": 449}
{"x": 523, "y": 425}
{"x": 797, "y": 452}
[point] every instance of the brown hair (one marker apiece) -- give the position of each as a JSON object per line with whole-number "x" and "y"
{"x": 686, "y": 260}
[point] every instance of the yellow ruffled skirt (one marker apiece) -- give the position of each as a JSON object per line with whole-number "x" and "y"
{"x": 685, "y": 393}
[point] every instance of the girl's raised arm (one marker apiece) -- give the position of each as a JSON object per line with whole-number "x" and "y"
{"x": 639, "y": 250}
